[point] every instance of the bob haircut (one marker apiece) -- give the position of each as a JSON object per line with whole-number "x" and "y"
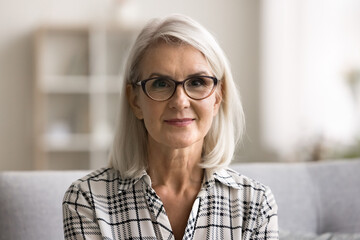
{"x": 129, "y": 151}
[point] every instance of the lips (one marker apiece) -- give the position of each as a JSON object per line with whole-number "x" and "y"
{"x": 180, "y": 122}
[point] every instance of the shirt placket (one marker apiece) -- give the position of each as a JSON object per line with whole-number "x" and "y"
{"x": 195, "y": 211}
{"x": 161, "y": 223}
{"x": 189, "y": 230}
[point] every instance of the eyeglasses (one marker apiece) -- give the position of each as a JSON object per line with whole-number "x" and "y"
{"x": 163, "y": 88}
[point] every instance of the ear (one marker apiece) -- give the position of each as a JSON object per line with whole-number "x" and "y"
{"x": 218, "y": 100}
{"x": 132, "y": 98}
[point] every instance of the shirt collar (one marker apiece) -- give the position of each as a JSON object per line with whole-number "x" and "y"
{"x": 223, "y": 176}
{"x": 125, "y": 184}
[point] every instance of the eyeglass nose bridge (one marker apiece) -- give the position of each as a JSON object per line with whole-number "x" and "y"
{"x": 183, "y": 86}
{"x": 177, "y": 83}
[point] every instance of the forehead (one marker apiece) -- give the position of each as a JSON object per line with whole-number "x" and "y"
{"x": 173, "y": 59}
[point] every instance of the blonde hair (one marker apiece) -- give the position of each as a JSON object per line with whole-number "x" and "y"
{"x": 129, "y": 151}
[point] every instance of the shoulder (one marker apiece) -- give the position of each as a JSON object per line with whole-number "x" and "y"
{"x": 253, "y": 198}
{"x": 236, "y": 180}
{"x": 98, "y": 182}
{"x": 104, "y": 181}
{"x": 249, "y": 189}
{"x": 101, "y": 175}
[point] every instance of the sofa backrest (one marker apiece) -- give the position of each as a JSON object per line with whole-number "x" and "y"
{"x": 31, "y": 204}
{"x": 312, "y": 197}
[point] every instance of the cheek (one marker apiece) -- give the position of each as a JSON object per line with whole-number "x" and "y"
{"x": 151, "y": 113}
{"x": 207, "y": 111}
{"x": 211, "y": 107}
{"x": 147, "y": 114}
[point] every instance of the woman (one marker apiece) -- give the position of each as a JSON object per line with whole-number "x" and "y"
{"x": 180, "y": 120}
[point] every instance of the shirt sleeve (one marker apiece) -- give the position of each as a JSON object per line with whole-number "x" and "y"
{"x": 267, "y": 221}
{"x": 78, "y": 216}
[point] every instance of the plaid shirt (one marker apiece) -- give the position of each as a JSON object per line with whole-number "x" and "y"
{"x": 228, "y": 206}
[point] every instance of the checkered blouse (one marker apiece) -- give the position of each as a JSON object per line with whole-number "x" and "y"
{"x": 228, "y": 206}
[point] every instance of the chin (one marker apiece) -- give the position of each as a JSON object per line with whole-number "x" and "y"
{"x": 178, "y": 145}
{"x": 181, "y": 143}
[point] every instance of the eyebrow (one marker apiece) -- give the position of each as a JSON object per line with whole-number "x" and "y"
{"x": 200, "y": 73}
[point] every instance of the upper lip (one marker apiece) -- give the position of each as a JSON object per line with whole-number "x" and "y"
{"x": 179, "y": 119}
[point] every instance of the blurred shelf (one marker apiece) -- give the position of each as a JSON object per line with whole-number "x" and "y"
{"x": 67, "y": 142}
{"x": 80, "y": 84}
{"x": 75, "y": 142}
{"x": 65, "y": 84}
{"x": 77, "y": 84}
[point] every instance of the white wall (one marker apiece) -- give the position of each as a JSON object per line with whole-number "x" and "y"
{"x": 235, "y": 23}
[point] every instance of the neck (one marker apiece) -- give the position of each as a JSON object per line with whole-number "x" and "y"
{"x": 177, "y": 169}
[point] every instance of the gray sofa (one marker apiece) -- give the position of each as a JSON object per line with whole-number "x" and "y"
{"x": 313, "y": 198}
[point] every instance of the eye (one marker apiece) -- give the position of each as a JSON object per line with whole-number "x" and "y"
{"x": 160, "y": 83}
{"x": 197, "y": 82}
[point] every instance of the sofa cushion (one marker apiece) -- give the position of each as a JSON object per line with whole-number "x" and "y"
{"x": 287, "y": 235}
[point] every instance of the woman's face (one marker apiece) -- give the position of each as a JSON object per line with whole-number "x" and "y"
{"x": 179, "y": 122}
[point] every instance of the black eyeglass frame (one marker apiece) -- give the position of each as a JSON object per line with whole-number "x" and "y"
{"x": 142, "y": 83}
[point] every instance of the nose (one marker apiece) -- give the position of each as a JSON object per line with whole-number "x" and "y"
{"x": 179, "y": 100}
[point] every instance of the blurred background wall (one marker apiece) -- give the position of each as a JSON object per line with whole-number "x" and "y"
{"x": 310, "y": 86}
{"x": 292, "y": 61}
